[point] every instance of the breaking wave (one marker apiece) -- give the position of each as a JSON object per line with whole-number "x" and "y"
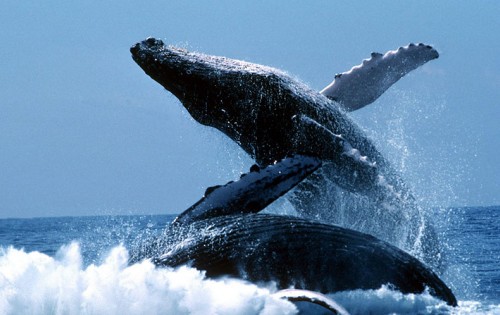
{"x": 34, "y": 283}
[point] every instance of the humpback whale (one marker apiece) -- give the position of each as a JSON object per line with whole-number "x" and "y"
{"x": 271, "y": 116}
{"x": 219, "y": 237}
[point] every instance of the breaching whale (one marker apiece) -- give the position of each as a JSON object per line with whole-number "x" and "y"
{"x": 224, "y": 238}
{"x": 271, "y": 115}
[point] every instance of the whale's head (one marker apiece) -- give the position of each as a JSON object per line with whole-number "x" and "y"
{"x": 204, "y": 84}
{"x": 217, "y": 91}
{"x": 180, "y": 73}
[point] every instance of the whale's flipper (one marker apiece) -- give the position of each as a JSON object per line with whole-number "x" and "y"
{"x": 253, "y": 191}
{"x": 327, "y": 305}
{"x": 364, "y": 83}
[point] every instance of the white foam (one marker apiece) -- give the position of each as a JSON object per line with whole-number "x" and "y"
{"x": 388, "y": 301}
{"x": 34, "y": 283}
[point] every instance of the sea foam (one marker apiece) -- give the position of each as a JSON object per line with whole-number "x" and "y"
{"x": 35, "y": 283}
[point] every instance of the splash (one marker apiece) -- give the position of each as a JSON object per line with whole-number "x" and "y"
{"x": 34, "y": 283}
{"x": 406, "y": 129}
{"x": 388, "y": 301}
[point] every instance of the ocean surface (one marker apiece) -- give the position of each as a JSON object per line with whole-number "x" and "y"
{"x": 79, "y": 265}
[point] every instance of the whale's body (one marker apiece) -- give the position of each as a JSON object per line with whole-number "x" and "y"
{"x": 293, "y": 252}
{"x": 271, "y": 115}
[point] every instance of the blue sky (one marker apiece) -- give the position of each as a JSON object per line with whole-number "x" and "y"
{"x": 84, "y": 131}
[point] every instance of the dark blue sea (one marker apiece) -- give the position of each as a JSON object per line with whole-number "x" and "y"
{"x": 79, "y": 265}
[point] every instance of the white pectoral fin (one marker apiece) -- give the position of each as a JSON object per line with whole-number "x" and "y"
{"x": 364, "y": 83}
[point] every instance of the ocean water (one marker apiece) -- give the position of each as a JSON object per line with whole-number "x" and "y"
{"x": 79, "y": 265}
